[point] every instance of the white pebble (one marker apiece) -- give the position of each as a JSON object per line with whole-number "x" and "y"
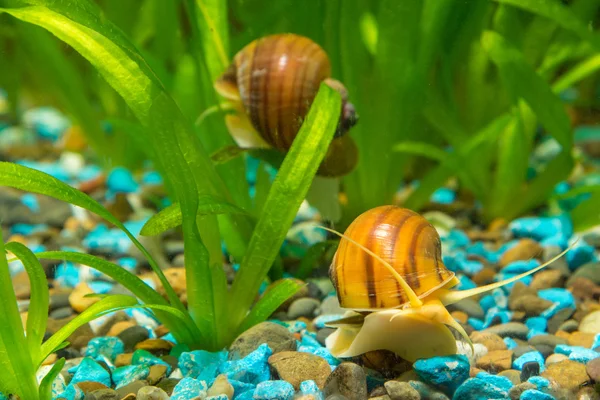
{"x": 72, "y": 162}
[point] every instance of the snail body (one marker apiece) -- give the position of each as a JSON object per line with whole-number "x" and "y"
{"x": 271, "y": 84}
{"x": 389, "y": 276}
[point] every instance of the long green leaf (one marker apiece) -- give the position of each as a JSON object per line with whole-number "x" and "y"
{"x": 25, "y": 178}
{"x": 587, "y": 214}
{"x": 582, "y": 70}
{"x": 421, "y": 149}
{"x": 287, "y": 193}
{"x": 170, "y": 217}
{"x": 37, "y": 315}
{"x": 185, "y": 333}
{"x": 15, "y": 359}
{"x": 45, "y": 389}
{"x": 269, "y": 302}
{"x": 107, "y": 304}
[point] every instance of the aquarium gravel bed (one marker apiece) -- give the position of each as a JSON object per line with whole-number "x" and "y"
{"x": 537, "y": 338}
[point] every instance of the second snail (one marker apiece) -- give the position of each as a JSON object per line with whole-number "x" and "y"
{"x": 390, "y": 278}
{"x": 271, "y": 84}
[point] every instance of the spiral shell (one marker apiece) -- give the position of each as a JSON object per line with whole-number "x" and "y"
{"x": 276, "y": 78}
{"x": 402, "y": 238}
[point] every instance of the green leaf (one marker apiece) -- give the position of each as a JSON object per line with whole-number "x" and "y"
{"x": 275, "y": 296}
{"x": 185, "y": 333}
{"x": 37, "y": 315}
{"x": 107, "y": 304}
{"x": 170, "y": 217}
{"x": 558, "y": 13}
{"x": 25, "y": 178}
{"x": 287, "y": 193}
{"x": 45, "y": 389}
{"x": 421, "y": 149}
{"x": 587, "y": 214}
{"x": 15, "y": 359}
{"x": 580, "y": 71}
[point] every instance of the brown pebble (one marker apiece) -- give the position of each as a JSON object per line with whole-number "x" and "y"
{"x": 296, "y": 367}
{"x": 525, "y": 249}
{"x": 490, "y": 340}
{"x": 568, "y": 374}
{"x": 546, "y": 279}
{"x": 474, "y": 371}
{"x": 123, "y": 359}
{"x": 157, "y": 372}
{"x": 593, "y": 369}
{"x": 584, "y": 339}
{"x": 583, "y": 288}
{"x": 485, "y": 276}
{"x": 460, "y": 316}
{"x": 89, "y": 386}
{"x": 155, "y": 346}
{"x": 176, "y": 277}
{"x": 77, "y": 298}
{"x": 563, "y": 334}
{"x": 554, "y": 358}
{"x": 512, "y": 374}
{"x": 220, "y": 386}
{"x": 161, "y": 331}
{"x": 588, "y": 393}
{"x": 497, "y": 360}
{"x": 51, "y": 359}
{"x": 119, "y": 327}
{"x": 530, "y": 304}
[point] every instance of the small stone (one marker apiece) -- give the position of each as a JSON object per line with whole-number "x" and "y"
{"x": 546, "y": 279}
{"x": 583, "y": 339}
{"x": 90, "y": 370}
{"x": 495, "y": 361}
{"x": 477, "y": 388}
{"x": 348, "y": 380}
{"x": 566, "y": 328}
{"x": 515, "y": 330}
{"x": 77, "y": 300}
{"x": 103, "y": 394}
{"x": 132, "y": 336}
{"x": 157, "y": 372}
{"x": 525, "y": 249}
{"x": 157, "y": 347}
{"x": 532, "y": 356}
{"x": 277, "y": 337}
{"x": 331, "y": 306}
{"x": 274, "y": 390}
{"x": 221, "y": 386}
{"x": 90, "y": 386}
{"x": 550, "y": 340}
{"x": 590, "y": 271}
{"x": 168, "y": 385}
{"x": 583, "y": 288}
{"x": 554, "y": 358}
{"x": 469, "y": 306}
{"x": 128, "y": 374}
{"x": 445, "y": 373}
{"x": 529, "y": 369}
{"x": 460, "y": 316}
{"x": 577, "y": 353}
{"x": 189, "y": 388}
{"x": 152, "y": 393}
{"x": 401, "y": 391}
{"x": 593, "y": 369}
{"x": 296, "y": 367}
{"x": 588, "y": 393}
{"x": 530, "y": 304}
{"x": 119, "y": 327}
{"x": 323, "y": 334}
{"x": 590, "y": 323}
{"x": 523, "y": 349}
{"x": 62, "y": 312}
{"x": 108, "y": 346}
{"x": 557, "y": 319}
{"x": 304, "y": 307}
{"x": 123, "y": 359}
{"x": 512, "y": 375}
{"x": 568, "y": 374}
{"x": 490, "y": 340}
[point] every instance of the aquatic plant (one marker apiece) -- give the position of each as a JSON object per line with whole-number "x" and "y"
{"x": 22, "y": 349}
{"x": 214, "y": 315}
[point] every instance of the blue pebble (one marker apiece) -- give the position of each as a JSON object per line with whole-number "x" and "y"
{"x": 309, "y": 387}
{"x": 445, "y": 373}
{"x": 129, "y": 263}
{"x": 67, "y": 275}
{"x": 72, "y": 392}
{"x": 189, "y": 388}
{"x": 558, "y": 295}
{"x": 143, "y": 357}
{"x": 90, "y": 370}
{"x": 501, "y": 382}
{"x": 476, "y": 323}
{"x": 101, "y": 287}
{"x": 321, "y": 352}
{"x": 465, "y": 283}
{"x": 28, "y": 229}
{"x": 500, "y": 298}
{"x": 108, "y": 346}
{"x": 478, "y": 389}
{"x": 494, "y": 314}
{"x": 577, "y": 353}
{"x": 443, "y": 196}
{"x": 274, "y": 390}
{"x": 251, "y": 369}
{"x": 201, "y": 364}
{"x": 47, "y": 122}
{"x": 152, "y": 178}
{"x": 458, "y": 238}
{"x": 52, "y": 169}
{"x": 487, "y": 302}
{"x": 31, "y": 201}
{"x": 308, "y": 340}
{"x": 217, "y": 397}
{"x": 295, "y": 326}
{"x": 241, "y": 387}
{"x": 558, "y": 241}
{"x": 123, "y": 376}
{"x": 521, "y": 266}
{"x": 121, "y": 180}
{"x": 580, "y": 255}
{"x": 529, "y": 357}
{"x": 596, "y": 341}
{"x": 510, "y": 343}
{"x": 539, "y": 228}
{"x": 533, "y": 394}
{"x": 89, "y": 172}
{"x": 536, "y": 325}
{"x": 540, "y": 382}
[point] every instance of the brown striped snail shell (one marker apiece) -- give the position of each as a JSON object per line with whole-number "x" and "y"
{"x": 275, "y": 79}
{"x": 389, "y": 276}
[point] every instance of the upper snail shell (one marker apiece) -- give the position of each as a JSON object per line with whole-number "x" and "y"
{"x": 276, "y": 78}
{"x": 402, "y": 238}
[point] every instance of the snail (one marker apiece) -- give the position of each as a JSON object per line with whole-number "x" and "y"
{"x": 389, "y": 275}
{"x": 271, "y": 84}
